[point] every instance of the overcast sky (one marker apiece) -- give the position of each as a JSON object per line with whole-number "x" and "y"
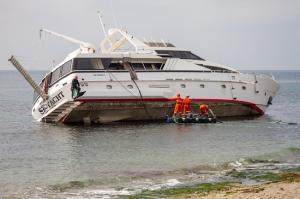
{"x": 245, "y": 34}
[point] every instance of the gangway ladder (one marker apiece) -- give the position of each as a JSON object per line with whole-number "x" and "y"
{"x": 60, "y": 113}
{"x": 29, "y": 79}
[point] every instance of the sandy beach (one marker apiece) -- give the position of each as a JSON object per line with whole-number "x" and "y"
{"x": 279, "y": 190}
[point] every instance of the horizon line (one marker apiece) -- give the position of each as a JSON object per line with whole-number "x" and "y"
{"x": 243, "y": 69}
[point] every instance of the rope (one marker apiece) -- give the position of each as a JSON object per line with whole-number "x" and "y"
{"x": 142, "y": 99}
{"x": 140, "y": 93}
{"x": 116, "y": 79}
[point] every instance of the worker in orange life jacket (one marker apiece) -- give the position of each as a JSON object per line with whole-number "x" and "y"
{"x": 178, "y": 105}
{"x": 186, "y": 105}
{"x": 204, "y": 110}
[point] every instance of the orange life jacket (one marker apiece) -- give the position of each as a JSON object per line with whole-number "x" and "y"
{"x": 179, "y": 101}
{"x": 186, "y": 102}
{"x": 204, "y": 108}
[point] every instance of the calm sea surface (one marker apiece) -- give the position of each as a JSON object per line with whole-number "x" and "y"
{"x": 43, "y": 160}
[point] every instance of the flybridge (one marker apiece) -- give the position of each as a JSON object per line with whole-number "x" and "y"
{"x": 117, "y": 40}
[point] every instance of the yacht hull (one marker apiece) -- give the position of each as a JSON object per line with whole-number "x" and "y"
{"x": 149, "y": 99}
{"x": 104, "y": 111}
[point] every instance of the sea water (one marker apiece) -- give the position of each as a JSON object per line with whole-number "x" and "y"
{"x": 107, "y": 161}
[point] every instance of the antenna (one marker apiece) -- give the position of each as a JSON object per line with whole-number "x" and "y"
{"x": 102, "y": 24}
{"x": 40, "y": 33}
{"x": 113, "y": 13}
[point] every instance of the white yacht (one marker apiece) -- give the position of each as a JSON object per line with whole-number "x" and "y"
{"x": 131, "y": 79}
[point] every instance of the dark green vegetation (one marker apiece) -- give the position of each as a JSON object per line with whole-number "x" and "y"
{"x": 198, "y": 189}
{"x": 287, "y": 175}
{"x": 297, "y": 169}
{"x": 290, "y": 175}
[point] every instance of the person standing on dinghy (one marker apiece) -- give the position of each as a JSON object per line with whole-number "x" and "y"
{"x": 75, "y": 88}
{"x": 178, "y": 105}
{"x": 186, "y": 105}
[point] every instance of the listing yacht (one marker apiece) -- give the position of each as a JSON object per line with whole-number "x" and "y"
{"x": 131, "y": 79}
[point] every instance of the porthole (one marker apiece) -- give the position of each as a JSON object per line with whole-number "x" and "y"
{"x": 130, "y": 86}
{"x": 202, "y": 85}
{"x": 182, "y": 85}
{"x": 109, "y": 86}
{"x": 244, "y": 87}
{"x": 223, "y": 86}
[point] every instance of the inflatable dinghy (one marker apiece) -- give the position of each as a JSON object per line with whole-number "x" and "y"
{"x": 190, "y": 120}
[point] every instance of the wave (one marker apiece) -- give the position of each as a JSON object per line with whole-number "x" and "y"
{"x": 254, "y": 168}
{"x": 287, "y": 155}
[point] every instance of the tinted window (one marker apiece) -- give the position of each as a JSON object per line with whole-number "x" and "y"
{"x": 148, "y": 66}
{"x": 138, "y": 66}
{"x": 66, "y": 68}
{"x": 55, "y": 75}
{"x": 158, "y": 66}
{"x": 178, "y": 54}
{"x": 87, "y": 64}
{"x": 115, "y": 66}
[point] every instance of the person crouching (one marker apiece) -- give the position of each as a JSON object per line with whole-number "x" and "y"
{"x": 75, "y": 88}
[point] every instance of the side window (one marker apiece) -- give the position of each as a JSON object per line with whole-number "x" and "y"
{"x": 96, "y": 64}
{"x": 148, "y": 66}
{"x": 138, "y": 66}
{"x": 87, "y": 64}
{"x": 66, "y": 68}
{"x": 158, "y": 66}
{"x": 55, "y": 75}
{"x": 115, "y": 66}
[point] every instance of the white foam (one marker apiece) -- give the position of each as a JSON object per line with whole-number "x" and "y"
{"x": 146, "y": 185}
{"x": 235, "y": 164}
{"x": 111, "y": 192}
{"x": 172, "y": 182}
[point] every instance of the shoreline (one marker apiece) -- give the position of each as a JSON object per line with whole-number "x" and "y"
{"x": 263, "y": 191}
{"x": 281, "y": 184}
